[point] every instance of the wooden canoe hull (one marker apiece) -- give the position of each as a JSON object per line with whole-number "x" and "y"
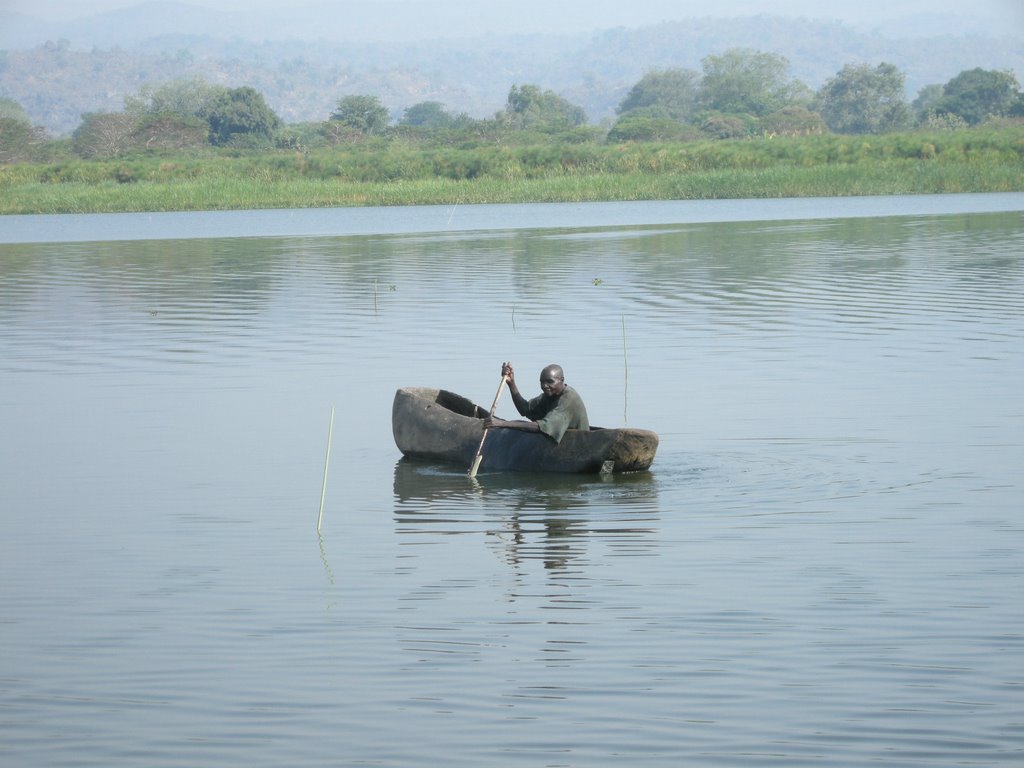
{"x": 443, "y": 426}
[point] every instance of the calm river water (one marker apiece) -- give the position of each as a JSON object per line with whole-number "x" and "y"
{"x": 825, "y": 564}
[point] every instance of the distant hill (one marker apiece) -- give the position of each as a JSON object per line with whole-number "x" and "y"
{"x": 58, "y": 78}
{"x": 411, "y": 20}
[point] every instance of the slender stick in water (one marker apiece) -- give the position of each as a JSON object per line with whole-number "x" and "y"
{"x": 327, "y": 461}
{"x": 625, "y": 372}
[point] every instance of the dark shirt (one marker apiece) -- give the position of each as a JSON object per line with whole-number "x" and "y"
{"x": 554, "y": 415}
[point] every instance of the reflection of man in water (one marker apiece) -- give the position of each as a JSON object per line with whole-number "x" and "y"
{"x": 558, "y": 408}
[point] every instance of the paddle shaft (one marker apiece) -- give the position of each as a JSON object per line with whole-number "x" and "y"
{"x": 480, "y": 448}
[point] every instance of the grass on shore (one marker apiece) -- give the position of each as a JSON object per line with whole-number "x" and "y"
{"x": 219, "y": 193}
{"x": 808, "y": 167}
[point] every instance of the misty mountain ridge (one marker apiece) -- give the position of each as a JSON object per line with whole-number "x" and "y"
{"x": 363, "y": 22}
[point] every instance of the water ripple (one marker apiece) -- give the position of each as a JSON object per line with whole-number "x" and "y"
{"x": 823, "y": 566}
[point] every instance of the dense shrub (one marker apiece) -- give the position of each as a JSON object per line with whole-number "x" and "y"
{"x": 640, "y": 127}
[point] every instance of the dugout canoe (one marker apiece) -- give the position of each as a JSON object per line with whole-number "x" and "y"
{"x": 440, "y": 425}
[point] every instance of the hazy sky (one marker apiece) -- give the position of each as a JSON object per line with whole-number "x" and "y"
{"x": 624, "y": 13}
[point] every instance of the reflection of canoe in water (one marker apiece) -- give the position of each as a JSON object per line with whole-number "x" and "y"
{"x": 442, "y": 426}
{"x": 420, "y": 484}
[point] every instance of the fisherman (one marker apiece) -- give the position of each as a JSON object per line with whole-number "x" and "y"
{"x": 558, "y": 408}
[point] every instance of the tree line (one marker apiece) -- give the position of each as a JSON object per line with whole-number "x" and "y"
{"x": 739, "y": 93}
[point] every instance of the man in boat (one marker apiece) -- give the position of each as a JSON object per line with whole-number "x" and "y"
{"x": 558, "y": 408}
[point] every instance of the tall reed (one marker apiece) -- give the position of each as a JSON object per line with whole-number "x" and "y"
{"x": 915, "y": 163}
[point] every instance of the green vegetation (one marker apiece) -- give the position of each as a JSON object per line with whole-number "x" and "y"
{"x": 402, "y": 171}
{"x": 743, "y": 128}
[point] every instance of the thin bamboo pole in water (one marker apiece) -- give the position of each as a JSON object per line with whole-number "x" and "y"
{"x": 327, "y": 461}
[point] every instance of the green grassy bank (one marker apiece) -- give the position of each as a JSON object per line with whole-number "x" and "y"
{"x": 397, "y": 173}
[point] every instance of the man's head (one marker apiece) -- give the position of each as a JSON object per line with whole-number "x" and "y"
{"x": 552, "y": 381}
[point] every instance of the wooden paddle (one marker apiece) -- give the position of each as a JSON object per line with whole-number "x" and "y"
{"x": 480, "y": 449}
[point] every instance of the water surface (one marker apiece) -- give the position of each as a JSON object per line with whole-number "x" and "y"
{"x": 823, "y": 566}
